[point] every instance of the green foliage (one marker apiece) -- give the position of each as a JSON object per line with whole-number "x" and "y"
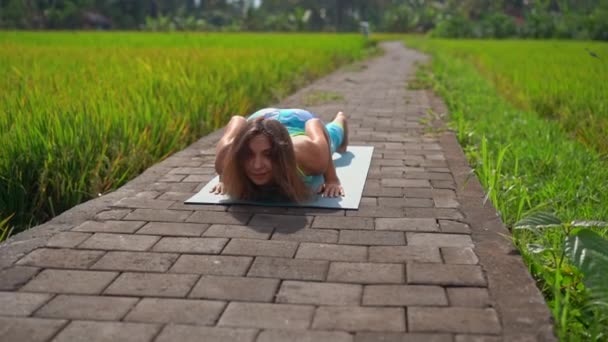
{"x": 584, "y": 249}
{"x": 82, "y": 113}
{"x": 5, "y": 229}
{"x": 455, "y": 26}
{"x": 528, "y": 163}
{"x": 588, "y": 251}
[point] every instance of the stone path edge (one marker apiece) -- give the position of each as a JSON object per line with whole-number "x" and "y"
{"x": 522, "y": 309}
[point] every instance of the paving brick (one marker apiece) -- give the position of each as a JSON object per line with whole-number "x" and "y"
{"x": 70, "y": 281}
{"x": 405, "y": 202}
{"x": 192, "y": 333}
{"x": 87, "y": 307}
{"x": 185, "y": 311}
{"x": 256, "y": 209}
{"x": 119, "y": 242}
{"x": 306, "y": 235}
{"x": 407, "y": 224}
{"x": 300, "y": 292}
{"x": 376, "y": 211}
{"x": 60, "y": 258}
{"x": 163, "y": 215}
{"x": 176, "y": 196}
{"x": 144, "y": 203}
{"x": 198, "y": 178}
{"x": 190, "y": 245}
{"x": 358, "y": 237}
{"x": 212, "y": 265}
{"x": 402, "y": 337}
{"x": 172, "y": 178}
{"x": 443, "y": 184}
{"x": 280, "y": 221}
{"x": 13, "y": 329}
{"x": 152, "y": 284}
{"x": 14, "y": 277}
{"x": 335, "y": 222}
{"x": 453, "y": 320}
{"x": 172, "y": 187}
{"x": 418, "y": 193}
{"x": 438, "y": 240}
{"x": 219, "y": 217}
{"x": 405, "y": 183}
{"x": 261, "y": 247}
{"x": 454, "y": 227}
{"x": 404, "y": 295}
{"x": 404, "y": 254}
{"x": 476, "y": 297}
{"x": 487, "y": 338}
{"x": 303, "y": 336}
{"x": 315, "y": 212}
{"x": 245, "y": 232}
{"x": 445, "y": 198}
{"x": 321, "y": 251}
{"x": 284, "y": 268}
{"x": 355, "y": 318}
{"x": 135, "y": 261}
{"x": 438, "y": 213}
{"x": 173, "y": 229}
{"x": 67, "y": 239}
{"x": 441, "y": 274}
{"x": 235, "y": 288}
{"x": 109, "y": 226}
{"x": 147, "y": 194}
{"x": 365, "y": 273}
{"x": 375, "y": 190}
{"x": 107, "y": 332}
{"x": 268, "y": 316}
{"x": 21, "y": 304}
{"x": 387, "y": 162}
{"x": 112, "y": 214}
{"x": 459, "y": 255}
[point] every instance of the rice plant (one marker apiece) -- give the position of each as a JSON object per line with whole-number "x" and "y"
{"x": 82, "y": 113}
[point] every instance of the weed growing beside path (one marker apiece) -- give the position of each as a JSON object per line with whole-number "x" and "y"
{"x": 82, "y": 113}
{"x": 526, "y": 162}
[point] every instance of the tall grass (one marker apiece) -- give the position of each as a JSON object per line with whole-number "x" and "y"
{"x": 526, "y": 162}
{"x": 561, "y": 80}
{"x": 82, "y": 113}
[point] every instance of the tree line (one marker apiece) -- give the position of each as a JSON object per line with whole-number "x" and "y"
{"x": 573, "y": 19}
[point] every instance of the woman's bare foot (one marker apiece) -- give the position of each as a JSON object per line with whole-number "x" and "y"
{"x": 340, "y": 119}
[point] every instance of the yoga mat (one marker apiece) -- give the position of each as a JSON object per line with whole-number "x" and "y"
{"x": 351, "y": 167}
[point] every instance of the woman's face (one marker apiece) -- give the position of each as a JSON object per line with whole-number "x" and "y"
{"x": 258, "y": 166}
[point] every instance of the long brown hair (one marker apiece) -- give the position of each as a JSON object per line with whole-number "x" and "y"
{"x": 287, "y": 184}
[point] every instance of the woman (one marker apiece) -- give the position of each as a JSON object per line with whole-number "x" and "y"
{"x": 275, "y": 154}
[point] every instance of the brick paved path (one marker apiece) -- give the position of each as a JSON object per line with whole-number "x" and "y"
{"x": 421, "y": 260}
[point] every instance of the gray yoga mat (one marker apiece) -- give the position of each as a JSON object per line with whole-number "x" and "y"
{"x": 351, "y": 167}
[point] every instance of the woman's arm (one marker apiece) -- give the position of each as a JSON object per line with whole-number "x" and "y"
{"x": 232, "y": 129}
{"x": 320, "y": 159}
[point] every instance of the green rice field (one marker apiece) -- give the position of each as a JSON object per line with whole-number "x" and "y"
{"x": 82, "y": 113}
{"x": 532, "y": 117}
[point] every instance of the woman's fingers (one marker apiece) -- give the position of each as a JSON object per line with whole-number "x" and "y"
{"x": 332, "y": 190}
{"x": 217, "y": 189}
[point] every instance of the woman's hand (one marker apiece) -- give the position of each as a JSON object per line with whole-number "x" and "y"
{"x": 331, "y": 189}
{"x": 218, "y": 189}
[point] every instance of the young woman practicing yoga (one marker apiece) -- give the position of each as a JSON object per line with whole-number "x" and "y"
{"x": 275, "y": 154}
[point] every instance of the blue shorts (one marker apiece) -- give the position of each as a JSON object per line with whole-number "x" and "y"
{"x": 295, "y": 119}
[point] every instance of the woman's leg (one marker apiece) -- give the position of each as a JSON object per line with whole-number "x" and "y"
{"x": 338, "y": 133}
